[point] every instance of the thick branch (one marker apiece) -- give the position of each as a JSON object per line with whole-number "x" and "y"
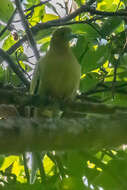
{"x": 17, "y": 97}
{"x": 93, "y": 133}
{"x": 14, "y": 96}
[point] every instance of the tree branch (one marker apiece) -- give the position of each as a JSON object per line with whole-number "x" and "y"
{"x": 20, "y": 98}
{"x": 8, "y": 24}
{"x": 27, "y": 29}
{"x": 14, "y": 67}
{"x": 47, "y": 25}
{"x": 65, "y": 20}
{"x": 90, "y": 133}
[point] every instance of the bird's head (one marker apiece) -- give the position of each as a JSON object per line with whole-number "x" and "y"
{"x": 61, "y": 37}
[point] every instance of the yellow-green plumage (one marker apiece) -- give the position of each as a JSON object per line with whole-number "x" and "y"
{"x": 56, "y": 75}
{"x": 58, "y": 71}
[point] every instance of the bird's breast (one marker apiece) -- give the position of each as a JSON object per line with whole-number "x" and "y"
{"x": 61, "y": 76}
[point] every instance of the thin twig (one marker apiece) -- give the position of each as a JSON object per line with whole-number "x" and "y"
{"x": 91, "y": 2}
{"x": 23, "y": 70}
{"x": 14, "y": 67}
{"x": 38, "y": 5}
{"x": 118, "y": 5}
{"x": 55, "y": 158}
{"x": 63, "y": 21}
{"x": 26, "y": 168}
{"x": 46, "y": 25}
{"x": 41, "y": 167}
{"x": 27, "y": 29}
{"x": 8, "y": 24}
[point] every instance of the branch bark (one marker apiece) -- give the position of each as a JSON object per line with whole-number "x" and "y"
{"x": 91, "y": 133}
{"x": 18, "y": 97}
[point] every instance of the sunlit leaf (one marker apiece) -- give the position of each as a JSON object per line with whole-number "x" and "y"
{"x": 8, "y": 161}
{"x": 48, "y": 165}
{"x": 8, "y": 42}
{"x": 108, "y": 5}
{"x": 48, "y": 17}
{"x": 6, "y": 10}
{"x": 37, "y": 15}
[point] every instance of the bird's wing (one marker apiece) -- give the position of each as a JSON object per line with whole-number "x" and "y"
{"x": 35, "y": 80}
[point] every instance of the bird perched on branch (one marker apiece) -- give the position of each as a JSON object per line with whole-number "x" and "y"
{"x": 57, "y": 74}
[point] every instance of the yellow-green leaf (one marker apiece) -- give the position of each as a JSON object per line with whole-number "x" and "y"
{"x": 48, "y": 17}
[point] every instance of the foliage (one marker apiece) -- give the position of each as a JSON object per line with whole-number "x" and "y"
{"x": 101, "y": 50}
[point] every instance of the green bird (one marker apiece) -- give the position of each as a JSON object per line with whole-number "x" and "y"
{"x": 56, "y": 76}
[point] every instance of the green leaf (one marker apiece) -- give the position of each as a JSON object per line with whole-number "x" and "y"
{"x": 2, "y": 74}
{"x": 4, "y": 34}
{"x": 44, "y": 47}
{"x": 89, "y": 82}
{"x": 22, "y": 56}
{"x": 72, "y": 183}
{"x": 2, "y": 157}
{"x": 8, "y": 42}
{"x": 42, "y": 34}
{"x": 6, "y": 10}
{"x": 15, "y": 80}
{"x": 81, "y": 47}
{"x": 118, "y": 99}
{"x": 125, "y": 2}
{"x": 123, "y": 60}
{"x": 30, "y": 3}
{"x": 94, "y": 58}
{"x": 80, "y": 2}
{"x": 88, "y": 31}
{"x": 110, "y": 25}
